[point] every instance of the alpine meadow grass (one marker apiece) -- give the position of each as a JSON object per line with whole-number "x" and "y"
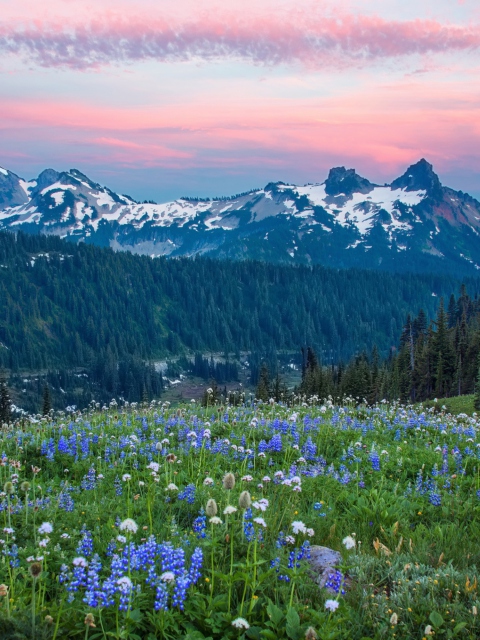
{"x": 146, "y": 522}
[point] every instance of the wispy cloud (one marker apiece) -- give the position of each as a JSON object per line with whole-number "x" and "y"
{"x": 269, "y": 40}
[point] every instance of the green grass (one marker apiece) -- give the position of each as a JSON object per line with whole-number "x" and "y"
{"x": 134, "y": 495}
{"x": 454, "y": 405}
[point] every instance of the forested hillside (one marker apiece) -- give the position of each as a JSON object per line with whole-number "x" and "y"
{"x": 68, "y": 305}
{"x": 439, "y": 358}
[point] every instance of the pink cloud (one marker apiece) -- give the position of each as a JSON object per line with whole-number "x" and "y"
{"x": 269, "y": 39}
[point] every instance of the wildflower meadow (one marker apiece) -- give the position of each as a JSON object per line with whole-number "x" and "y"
{"x": 143, "y": 522}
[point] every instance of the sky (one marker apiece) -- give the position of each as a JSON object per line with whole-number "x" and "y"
{"x": 164, "y": 98}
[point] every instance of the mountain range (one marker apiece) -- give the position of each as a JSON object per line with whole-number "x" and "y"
{"x": 413, "y": 224}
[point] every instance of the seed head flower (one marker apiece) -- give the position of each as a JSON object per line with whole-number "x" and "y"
{"x": 8, "y": 487}
{"x": 3, "y": 590}
{"x": 35, "y": 569}
{"x": 394, "y": 619}
{"x": 90, "y": 620}
{"x": 48, "y": 619}
{"x": 244, "y": 500}
{"x": 331, "y": 605}
{"x": 240, "y": 623}
{"x": 428, "y": 630}
{"x": 229, "y": 481}
{"x": 25, "y": 486}
{"x": 311, "y": 634}
{"x": 211, "y": 508}
{"x": 129, "y": 525}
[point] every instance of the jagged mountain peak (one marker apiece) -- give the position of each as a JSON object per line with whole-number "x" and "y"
{"x": 345, "y": 221}
{"x": 343, "y": 181}
{"x": 419, "y": 176}
{"x": 46, "y": 178}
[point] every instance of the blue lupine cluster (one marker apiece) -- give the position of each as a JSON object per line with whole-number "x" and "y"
{"x": 188, "y": 494}
{"x": 85, "y": 545}
{"x": 375, "y": 460}
{"x": 335, "y": 582}
{"x": 200, "y": 525}
{"x": 65, "y": 501}
{"x": 160, "y": 566}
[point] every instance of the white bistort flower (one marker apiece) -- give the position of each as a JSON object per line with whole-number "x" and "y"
{"x": 124, "y": 583}
{"x": 79, "y": 562}
{"x": 240, "y": 623}
{"x": 168, "y": 576}
{"x": 261, "y": 504}
{"x": 229, "y": 510}
{"x": 46, "y": 527}
{"x": 215, "y": 520}
{"x": 331, "y": 605}
{"x": 129, "y": 525}
{"x": 349, "y": 542}
{"x": 260, "y": 521}
{"x": 126, "y": 477}
{"x": 299, "y": 527}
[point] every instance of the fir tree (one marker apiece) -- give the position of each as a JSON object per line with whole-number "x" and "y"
{"x": 5, "y": 403}
{"x": 263, "y": 388}
{"x": 47, "y": 402}
{"x": 476, "y": 400}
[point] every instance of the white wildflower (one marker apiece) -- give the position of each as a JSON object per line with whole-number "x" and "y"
{"x": 261, "y": 504}
{"x": 261, "y": 522}
{"x": 124, "y": 583}
{"x": 126, "y": 477}
{"x": 168, "y": 576}
{"x": 240, "y": 623}
{"x": 46, "y": 527}
{"x": 349, "y": 542}
{"x": 299, "y": 527}
{"x": 79, "y": 562}
{"x": 229, "y": 510}
{"x": 129, "y": 525}
{"x": 215, "y": 520}
{"x": 331, "y": 605}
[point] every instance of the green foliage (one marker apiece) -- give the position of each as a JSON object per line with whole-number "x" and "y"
{"x": 65, "y": 305}
{"x": 412, "y": 522}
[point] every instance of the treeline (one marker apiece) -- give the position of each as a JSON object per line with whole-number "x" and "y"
{"x": 438, "y": 358}
{"x": 131, "y": 379}
{"x": 64, "y": 305}
{"x": 209, "y": 369}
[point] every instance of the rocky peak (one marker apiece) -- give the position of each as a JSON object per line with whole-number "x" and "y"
{"x": 346, "y": 181}
{"x": 419, "y": 177}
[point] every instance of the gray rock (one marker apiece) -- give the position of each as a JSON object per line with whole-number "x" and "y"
{"x": 322, "y": 562}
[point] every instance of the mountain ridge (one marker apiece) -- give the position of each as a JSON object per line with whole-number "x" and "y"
{"x": 344, "y": 221}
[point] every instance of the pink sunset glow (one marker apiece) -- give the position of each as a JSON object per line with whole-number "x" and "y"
{"x": 221, "y": 97}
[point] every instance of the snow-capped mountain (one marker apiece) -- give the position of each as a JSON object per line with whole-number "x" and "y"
{"x": 413, "y": 223}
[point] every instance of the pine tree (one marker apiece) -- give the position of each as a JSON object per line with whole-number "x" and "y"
{"x": 5, "y": 404}
{"x": 47, "y": 402}
{"x": 476, "y": 400}
{"x": 263, "y": 388}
